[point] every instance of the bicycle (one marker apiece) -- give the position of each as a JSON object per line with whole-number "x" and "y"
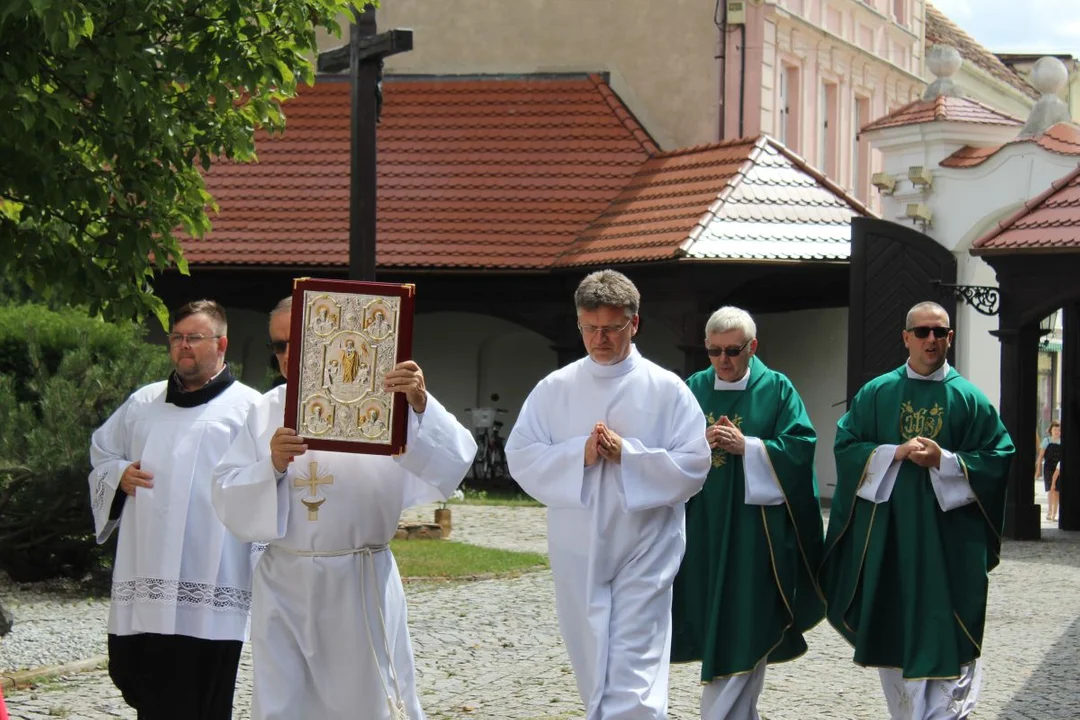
{"x": 490, "y": 461}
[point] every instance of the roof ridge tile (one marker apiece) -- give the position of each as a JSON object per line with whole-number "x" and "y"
{"x": 624, "y": 115}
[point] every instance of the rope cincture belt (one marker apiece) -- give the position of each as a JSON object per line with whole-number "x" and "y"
{"x": 397, "y": 709}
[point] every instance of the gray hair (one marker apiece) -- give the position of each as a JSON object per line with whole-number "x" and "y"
{"x": 731, "y": 318}
{"x": 921, "y": 307}
{"x": 284, "y": 305}
{"x": 607, "y": 288}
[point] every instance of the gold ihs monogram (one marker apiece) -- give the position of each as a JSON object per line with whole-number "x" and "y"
{"x": 719, "y": 455}
{"x": 922, "y": 422}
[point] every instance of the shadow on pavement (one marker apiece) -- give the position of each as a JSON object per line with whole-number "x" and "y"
{"x": 1050, "y": 691}
{"x": 1057, "y": 547}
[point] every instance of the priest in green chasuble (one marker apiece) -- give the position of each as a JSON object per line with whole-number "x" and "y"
{"x": 745, "y": 592}
{"x": 922, "y": 460}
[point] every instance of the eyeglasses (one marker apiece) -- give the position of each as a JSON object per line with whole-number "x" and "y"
{"x": 922, "y": 332}
{"x": 729, "y": 351}
{"x": 192, "y": 339}
{"x": 606, "y": 329}
{"x": 278, "y": 346}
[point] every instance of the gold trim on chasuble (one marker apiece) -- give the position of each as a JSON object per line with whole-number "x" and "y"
{"x": 719, "y": 455}
{"x": 798, "y": 539}
{"x": 314, "y": 479}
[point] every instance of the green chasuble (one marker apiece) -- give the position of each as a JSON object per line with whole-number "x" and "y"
{"x": 746, "y": 590}
{"x": 906, "y": 582}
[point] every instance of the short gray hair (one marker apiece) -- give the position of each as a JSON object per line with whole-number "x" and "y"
{"x": 728, "y": 318}
{"x": 607, "y": 288}
{"x": 284, "y": 305}
{"x": 923, "y": 306}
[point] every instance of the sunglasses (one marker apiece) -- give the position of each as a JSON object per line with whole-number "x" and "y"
{"x": 731, "y": 352}
{"x": 278, "y": 346}
{"x": 922, "y": 332}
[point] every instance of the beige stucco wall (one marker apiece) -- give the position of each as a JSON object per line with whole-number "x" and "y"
{"x": 660, "y": 55}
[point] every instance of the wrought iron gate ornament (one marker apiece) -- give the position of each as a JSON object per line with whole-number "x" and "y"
{"x": 985, "y": 299}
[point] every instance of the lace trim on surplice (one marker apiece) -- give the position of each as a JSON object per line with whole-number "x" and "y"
{"x": 181, "y": 593}
{"x": 100, "y": 487}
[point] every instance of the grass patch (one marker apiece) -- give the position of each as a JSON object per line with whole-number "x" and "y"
{"x": 449, "y": 560}
{"x": 496, "y": 497}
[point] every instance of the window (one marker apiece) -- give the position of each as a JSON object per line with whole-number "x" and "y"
{"x": 787, "y": 125}
{"x": 899, "y": 11}
{"x": 827, "y": 121}
{"x": 860, "y": 149}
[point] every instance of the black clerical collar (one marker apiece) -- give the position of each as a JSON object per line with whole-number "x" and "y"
{"x": 178, "y": 396}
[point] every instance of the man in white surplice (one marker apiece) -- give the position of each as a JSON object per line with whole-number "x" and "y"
{"x": 181, "y": 587}
{"x": 614, "y": 445}
{"x": 328, "y": 622}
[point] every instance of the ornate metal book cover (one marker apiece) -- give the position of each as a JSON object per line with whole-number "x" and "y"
{"x": 345, "y": 336}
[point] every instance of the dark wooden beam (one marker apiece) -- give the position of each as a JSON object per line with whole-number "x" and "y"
{"x": 1069, "y": 482}
{"x": 1019, "y": 395}
{"x": 364, "y": 75}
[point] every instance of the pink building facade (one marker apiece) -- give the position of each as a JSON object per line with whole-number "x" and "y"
{"x": 815, "y": 71}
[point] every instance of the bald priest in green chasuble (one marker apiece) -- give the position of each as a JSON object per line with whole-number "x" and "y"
{"x": 922, "y": 460}
{"x": 745, "y": 592}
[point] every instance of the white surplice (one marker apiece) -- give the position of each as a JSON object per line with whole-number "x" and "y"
{"x": 177, "y": 570}
{"x": 616, "y": 531}
{"x": 329, "y": 607}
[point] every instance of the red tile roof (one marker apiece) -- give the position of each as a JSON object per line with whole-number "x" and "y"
{"x": 525, "y": 174}
{"x": 739, "y": 199}
{"x": 945, "y": 108}
{"x": 1062, "y": 138}
{"x": 1047, "y": 223}
{"x": 940, "y": 30}
{"x": 489, "y": 172}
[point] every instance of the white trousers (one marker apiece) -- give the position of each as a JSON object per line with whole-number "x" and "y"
{"x": 618, "y": 637}
{"x": 734, "y": 697}
{"x": 931, "y": 699}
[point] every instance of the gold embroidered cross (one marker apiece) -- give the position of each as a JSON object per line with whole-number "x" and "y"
{"x": 312, "y": 482}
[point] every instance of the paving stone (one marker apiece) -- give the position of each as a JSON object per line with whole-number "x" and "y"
{"x": 491, "y": 649}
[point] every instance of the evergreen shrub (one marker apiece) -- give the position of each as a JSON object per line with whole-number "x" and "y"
{"x": 61, "y": 375}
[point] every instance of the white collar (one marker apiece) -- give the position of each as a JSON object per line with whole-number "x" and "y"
{"x": 737, "y": 385}
{"x": 936, "y": 376}
{"x": 616, "y": 369}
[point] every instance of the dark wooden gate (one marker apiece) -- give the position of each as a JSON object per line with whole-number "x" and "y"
{"x": 892, "y": 268}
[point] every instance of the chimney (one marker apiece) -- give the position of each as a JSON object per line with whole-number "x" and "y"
{"x": 1049, "y": 77}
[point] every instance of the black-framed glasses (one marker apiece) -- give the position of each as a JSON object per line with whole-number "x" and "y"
{"x": 922, "y": 332}
{"x": 189, "y": 338}
{"x": 606, "y": 329}
{"x": 731, "y": 351}
{"x": 278, "y": 346}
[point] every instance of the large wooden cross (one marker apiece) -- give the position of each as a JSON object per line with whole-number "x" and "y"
{"x": 366, "y": 52}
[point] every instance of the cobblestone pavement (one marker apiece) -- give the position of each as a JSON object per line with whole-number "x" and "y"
{"x": 491, "y": 649}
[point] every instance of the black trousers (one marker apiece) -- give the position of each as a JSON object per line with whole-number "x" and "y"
{"x": 174, "y": 676}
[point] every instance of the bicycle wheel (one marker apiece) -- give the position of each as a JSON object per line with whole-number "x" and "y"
{"x": 477, "y": 470}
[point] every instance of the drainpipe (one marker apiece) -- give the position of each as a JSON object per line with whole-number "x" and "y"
{"x": 742, "y": 75}
{"x": 720, "y": 20}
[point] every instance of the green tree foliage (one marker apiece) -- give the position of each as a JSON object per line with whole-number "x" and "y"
{"x": 108, "y": 110}
{"x": 61, "y": 376}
